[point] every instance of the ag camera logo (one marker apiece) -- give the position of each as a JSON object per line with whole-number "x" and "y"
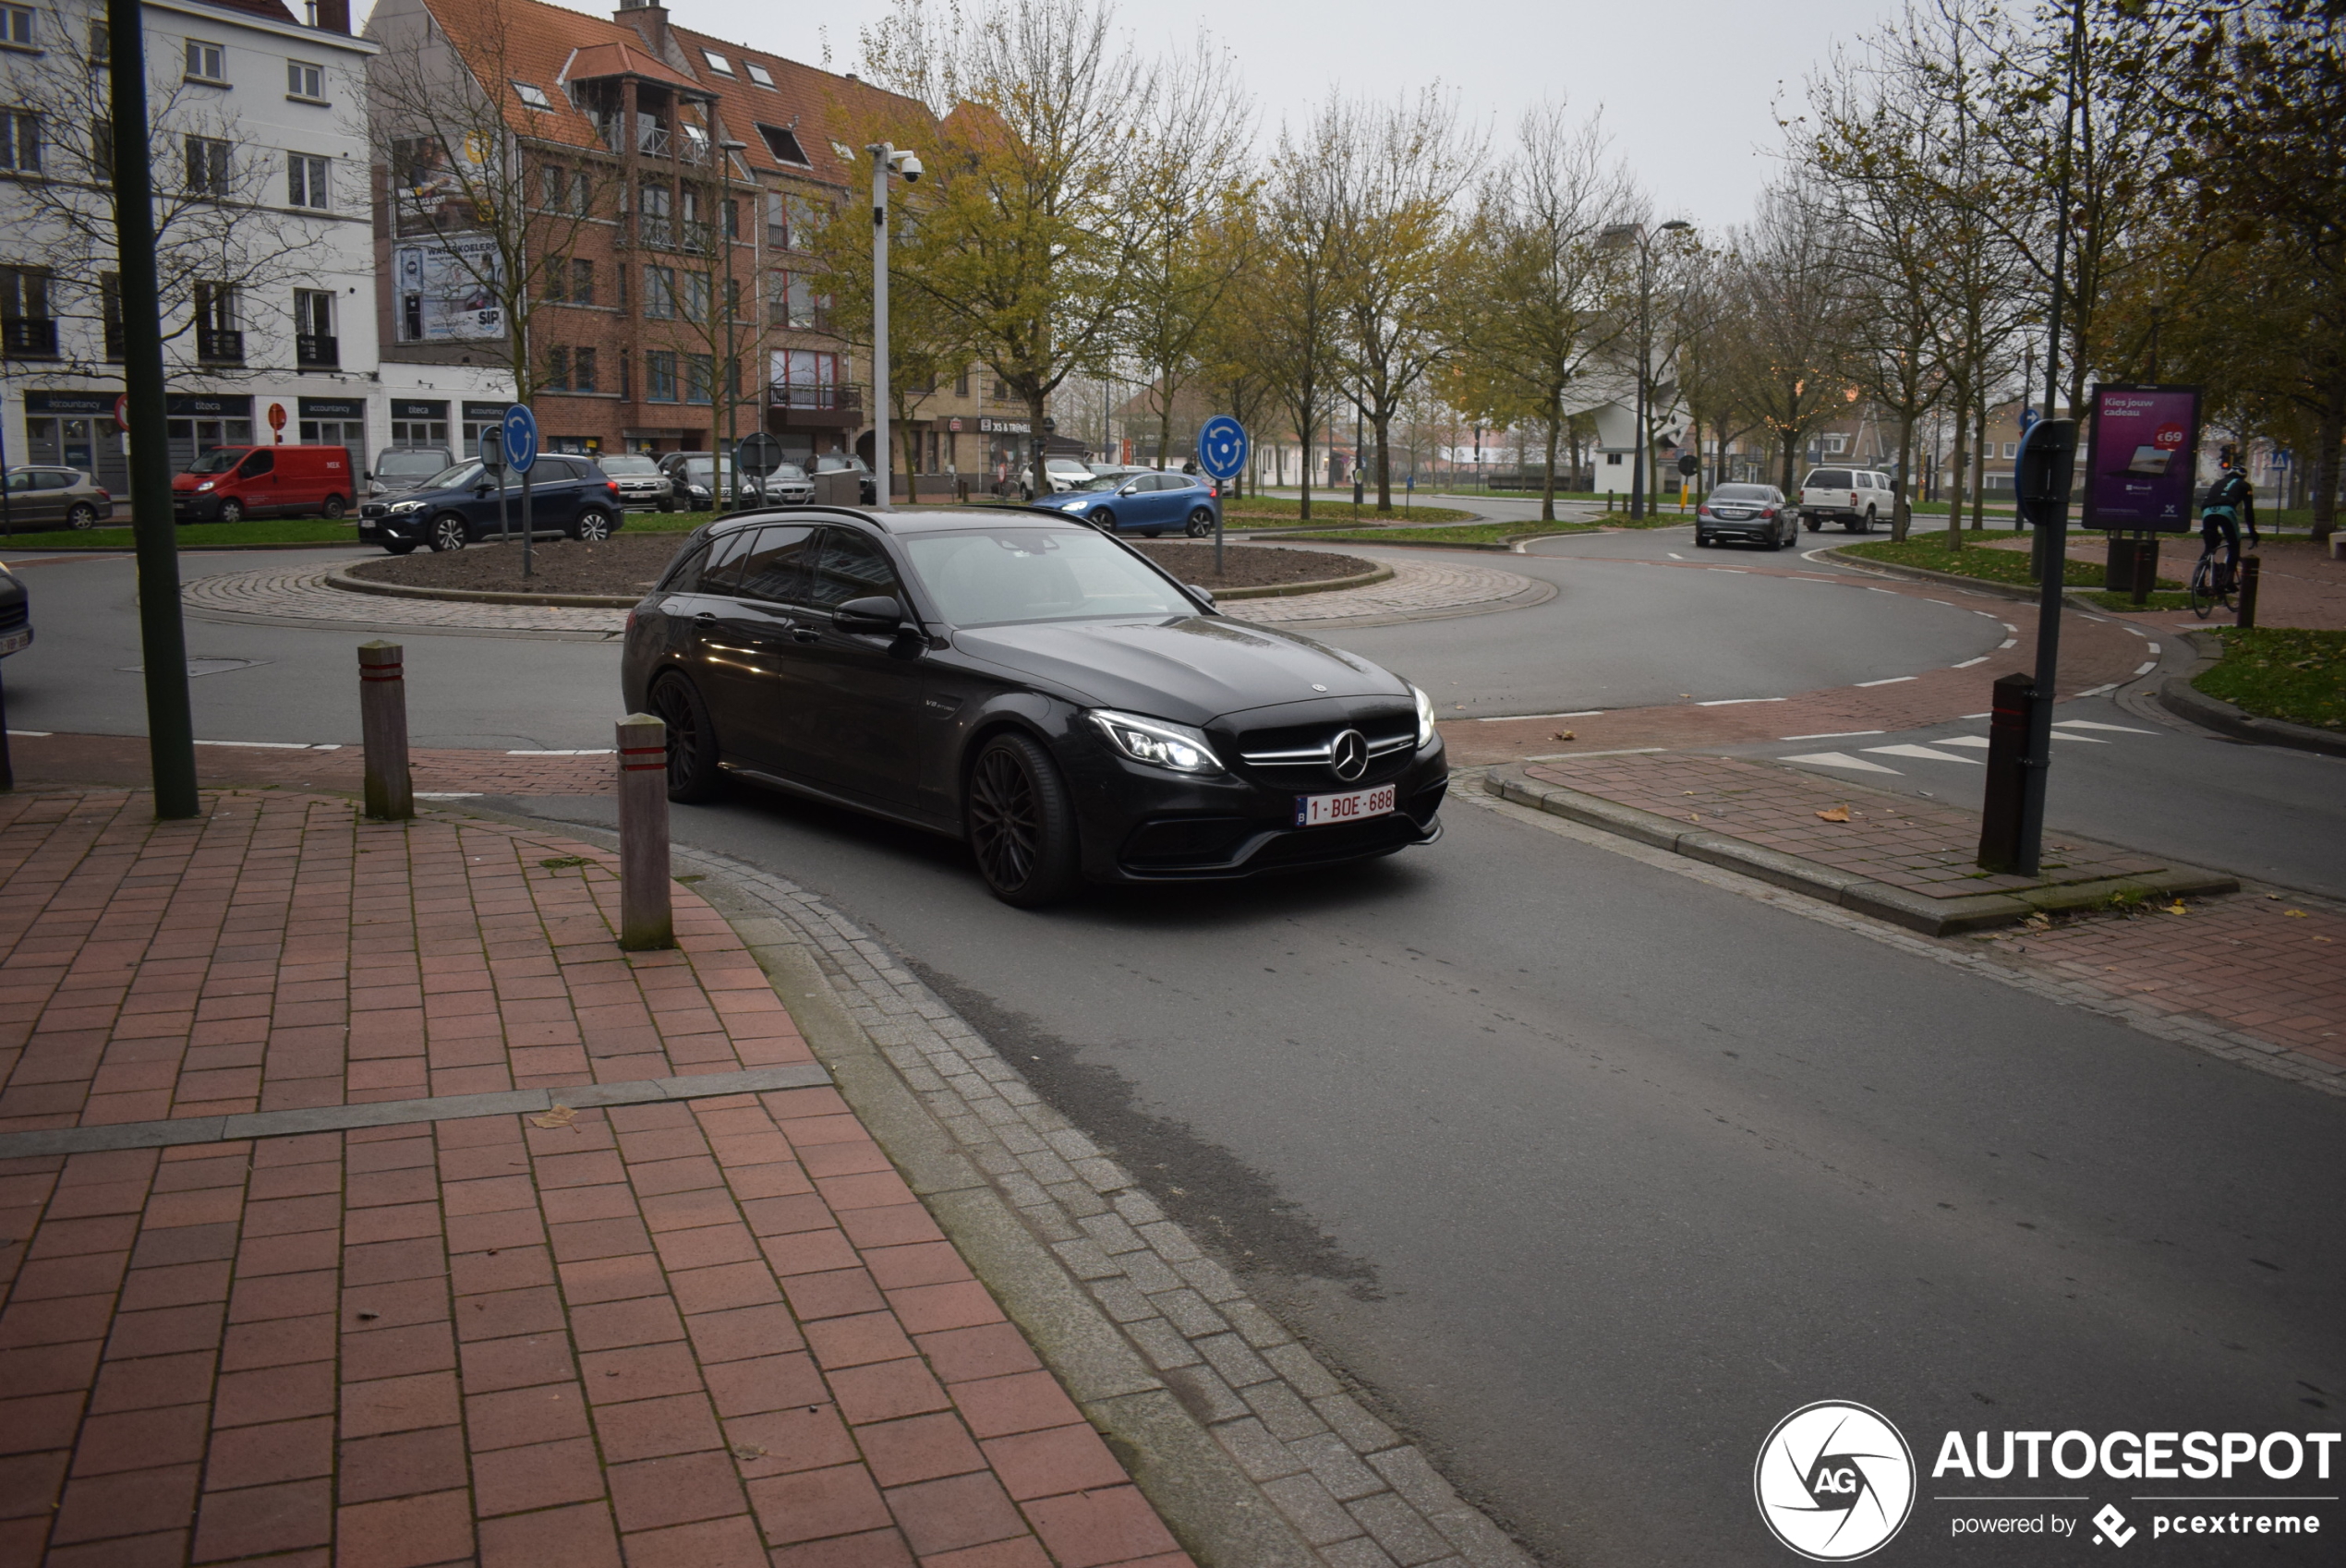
{"x": 1835, "y": 1481}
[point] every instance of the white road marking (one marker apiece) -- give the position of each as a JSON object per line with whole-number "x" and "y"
{"x": 1840, "y": 759}
{"x": 1966, "y": 664}
{"x": 2007, "y": 643}
{"x": 1925, "y": 753}
{"x": 2087, "y": 739}
{"x": 1627, "y": 752}
{"x": 1893, "y": 681}
{"x": 1872, "y": 590}
{"x": 581, "y": 752}
{"x": 1834, "y": 735}
{"x": 2147, "y": 669}
{"x": 272, "y": 745}
{"x": 1974, "y": 715}
{"x": 1977, "y": 742}
{"x": 2097, "y": 691}
{"x": 1733, "y": 702}
{"x": 1674, "y": 555}
{"x": 1518, "y": 717}
{"x": 2010, "y": 628}
{"x": 2154, "y": 647}
{"x": 448, "y": 794}
{"x": 2089, "y": 724}
{"x": 42, "y": 733}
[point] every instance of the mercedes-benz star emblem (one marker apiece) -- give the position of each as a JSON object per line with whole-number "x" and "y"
{"x": 1348, "y": 754}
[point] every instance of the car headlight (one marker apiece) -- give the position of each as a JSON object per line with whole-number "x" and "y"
{"x": 1073, "y": 505}
{"x": 1174, "y": 747}
{"x": 399, "y": 506}
{"x": 205, "y": 485}
{"x": 1425, "y": 717}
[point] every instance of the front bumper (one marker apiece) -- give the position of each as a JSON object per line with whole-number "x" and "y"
{"x": 378, "y": 525}
{"x": 187, "y": 506}
{"x": 1143, "y": 825}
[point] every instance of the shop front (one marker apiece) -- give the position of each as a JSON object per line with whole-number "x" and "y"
{"x": 335, "y": 421}
{"x": 76, "y": 430}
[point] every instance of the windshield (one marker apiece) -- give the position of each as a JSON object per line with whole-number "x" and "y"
{"x": 627, "y": 463}
{"x": 1101, "y": 482}
{"x": 1001, "y": 576}
{"x": 700, "y": 470}
{"x": 1829, "y": 479}
{"x": 453, "y": 478}
{"x": 832, "y": 462}
{"x": 786, "y": 471}
{"x": 218, "y": 461}
{"x": 1743, "y": 493}
{"x": 415, "y": 462}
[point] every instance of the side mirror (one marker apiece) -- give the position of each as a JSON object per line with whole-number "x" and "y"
{"x": 1129, "y": 489}
{"x": 877, "y": 613}
{"x": 1203, "y": 593}
{"x": 483, "y": 488}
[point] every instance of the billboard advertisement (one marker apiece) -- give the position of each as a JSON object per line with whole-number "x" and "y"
{"x": 2143, "y": 459}
{"x": 448, "y": 290}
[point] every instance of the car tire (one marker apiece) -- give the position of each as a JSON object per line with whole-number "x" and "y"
{"x": 668, "y": 506}
{"x": 81, "y": 516}
{"x": 1702, "y": 541}
{"x": 1811, "y": 522}
{"x": 1866, "y": 526}
{"x": 1020, "y": 823}
{"x": 448, "y": 531}
{"x": 1104, "y": 520}
{"x": 592, "y": 527}
{"x": 693, "y": 775}
{"x": 333, "y": 509}
{"x": 232, "y": 511}
{"x": 407, "y": 549}
{"x": 1200, "y": 523}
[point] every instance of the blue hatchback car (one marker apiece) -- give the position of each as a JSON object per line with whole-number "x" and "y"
{"x": 1149, "y": 505}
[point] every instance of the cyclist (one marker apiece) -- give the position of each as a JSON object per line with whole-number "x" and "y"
{"x": 2229, "y": 504}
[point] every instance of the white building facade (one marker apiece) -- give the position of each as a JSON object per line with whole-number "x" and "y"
{"x": 264, "y": 248}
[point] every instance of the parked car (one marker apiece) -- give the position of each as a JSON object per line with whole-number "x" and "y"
{"x": 1145, "y": 501}
{"x": 642, "y": 481}
{"x": 1751, "y": 514}
{"x": 569, "y": 498}
{"x": 847, "y": 463}
{"x": 1064, "y": 473}
{"x": 41, "y": 497}
{"x": 1855, "y": 498}
{"x": 231, "y": 483}
{"x": 1027, "y": 684}
{"x": 788, "y": 485}
{"x": 16, "y": 613}
{"x": 399, "y": 469}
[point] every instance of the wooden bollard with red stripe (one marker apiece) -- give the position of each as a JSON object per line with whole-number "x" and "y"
{"x": 646, "y": 919}
{"x": 382, "y": 724}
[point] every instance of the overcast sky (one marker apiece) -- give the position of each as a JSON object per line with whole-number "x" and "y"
{"x": 1687, "y": 86}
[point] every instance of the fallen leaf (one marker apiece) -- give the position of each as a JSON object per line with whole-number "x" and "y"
{"x": 561, "y": 1115}
{"x": 750, "y": 1450}
{"x": 1694, "y": 816}
{"x": 2321, "y": 939}
{"x": 1686, "y": 693}
{"x": 1838, "y": 814}
{"x": 2177, "y": 908}
{"x": 2296, "y": 914}
{"x": 1564, "y": 735}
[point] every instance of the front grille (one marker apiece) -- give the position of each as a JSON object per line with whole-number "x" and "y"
{"x": 1295, "y": 755}
{"x": 12, "y": 615}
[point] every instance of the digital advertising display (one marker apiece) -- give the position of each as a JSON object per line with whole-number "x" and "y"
{"x": 2142, "y": 459}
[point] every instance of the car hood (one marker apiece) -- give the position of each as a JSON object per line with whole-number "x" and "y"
{"x": 1191, "y": 669}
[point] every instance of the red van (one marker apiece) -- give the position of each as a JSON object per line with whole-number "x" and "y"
{"x": 231, "y": 483}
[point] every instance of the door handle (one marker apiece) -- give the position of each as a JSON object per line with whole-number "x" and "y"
{"x": 803, "y": 633}
{"x": 705, "y": 619}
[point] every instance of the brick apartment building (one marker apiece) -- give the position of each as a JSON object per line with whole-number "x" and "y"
{"x": 679, "y": 174}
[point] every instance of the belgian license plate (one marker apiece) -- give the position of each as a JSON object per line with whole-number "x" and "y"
{"x": 1316, "y": 811}
{"x": 16, "y": 641}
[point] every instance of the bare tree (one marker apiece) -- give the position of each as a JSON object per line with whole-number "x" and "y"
{"x": 1296, "y": 303}
{"x": 1792, "y": 306}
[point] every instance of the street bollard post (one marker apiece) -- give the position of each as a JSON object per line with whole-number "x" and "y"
{"x": 2251, "y": 569}
{"x": 646, "y": 918}
{"x": 382, "y": 725}
{"x": 2000, "y": 819}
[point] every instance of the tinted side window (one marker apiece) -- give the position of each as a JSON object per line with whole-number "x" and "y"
{"x": 852, "y": 567}
{"x": 722, "y": 573}
{"x": 681, "y": 577}
{"x": 777, "y": 566}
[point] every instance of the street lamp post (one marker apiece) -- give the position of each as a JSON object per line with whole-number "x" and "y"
{"x": 884, "y": 159}
{"x": 1636, "y": 234}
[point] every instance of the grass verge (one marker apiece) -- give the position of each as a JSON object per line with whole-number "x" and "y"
{"x": 1465, "y": 534}
{"x": 2281, "y": 672}
{"x": 2122, "y": 603}
{"x": 1325, "y": 510}
{"x": 197, "y": 535}
{"x": 1929, "y": 551}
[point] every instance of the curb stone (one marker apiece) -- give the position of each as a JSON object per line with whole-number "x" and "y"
{"x": 1141, "y": 1326}
{"x": 1932, "y": 917}
{"x": 2185, "y": 700}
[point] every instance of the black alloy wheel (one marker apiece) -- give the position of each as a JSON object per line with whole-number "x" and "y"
{"x": 83, "y": 515}
{"x": 333, "y": 509}
{"x": 232, "y": 511}
{"x": 1200, "y": 523}
{"x": 1866, "y": 526}
{"x": 449, "y": 532}
{"x": 593, "y": 526}
{"x": 1104, "y": 520}
{"x": 1021, "y": 824}
{"x": 693, "y": 773}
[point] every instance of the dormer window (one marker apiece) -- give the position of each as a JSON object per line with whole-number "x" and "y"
{"x": 533, "y": 95}
{"x": 717, "y": 62}
{"x": 758, "y": 73}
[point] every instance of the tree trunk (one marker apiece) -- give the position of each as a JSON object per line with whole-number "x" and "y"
{"x": 1164, "y": 423}
{"x": 1040, "y": 472}
{"x": 1902, "y": 510}
{"x": 2327, "y": 432}
{"x": 1381, "y": 423}
{"x": 1304, "y": 426}
{"x": 1955, "y": 477}
{"x": 1980, "y": 463}
{"x": 911, "y": 439}
{"x": 1548, "y": 486}
{"x": 1791, "y": 452}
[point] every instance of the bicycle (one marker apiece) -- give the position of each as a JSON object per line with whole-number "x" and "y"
{"x": 2215, "y": 580}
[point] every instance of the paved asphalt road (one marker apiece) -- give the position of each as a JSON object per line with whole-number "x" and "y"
{"x": 1589, "y": 1171}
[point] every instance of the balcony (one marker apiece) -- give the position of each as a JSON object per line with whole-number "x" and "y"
{"x": 652, "y": 138}
{"x": 29, "y": 337}
{"x": 220, "y": 346}
{"x": 316, "y": 349}
{"x": 818, "y": 408}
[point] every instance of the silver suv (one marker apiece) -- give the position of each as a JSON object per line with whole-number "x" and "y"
{"x": 1855, "y": 498}
{"x": 641, "y": 480}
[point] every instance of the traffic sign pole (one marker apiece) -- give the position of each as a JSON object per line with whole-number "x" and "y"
{"x": 492, "y": 463}
{"x": 519, "y": 428}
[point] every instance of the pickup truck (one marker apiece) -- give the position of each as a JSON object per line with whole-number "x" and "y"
{"x": 1855, "y": 498}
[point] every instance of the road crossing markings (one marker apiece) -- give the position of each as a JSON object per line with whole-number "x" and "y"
{"x": 2006, "y": 642}
{"x": 1923, "y": 752}
{"x": 1834, "y": 735}
{"x": 1842, "y": 759}
{"x": 2089, "y": 724}
{"x": 2088, "y": 740}
{"x": 1979, "y": 740}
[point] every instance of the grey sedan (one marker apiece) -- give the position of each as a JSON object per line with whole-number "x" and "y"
{"x": 1750, "y": 514}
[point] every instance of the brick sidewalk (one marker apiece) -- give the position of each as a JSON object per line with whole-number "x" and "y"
{"x": 2261, "y": 971}
{"x": 714, "y": 1331}
{"x": 2300, "y": 585}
